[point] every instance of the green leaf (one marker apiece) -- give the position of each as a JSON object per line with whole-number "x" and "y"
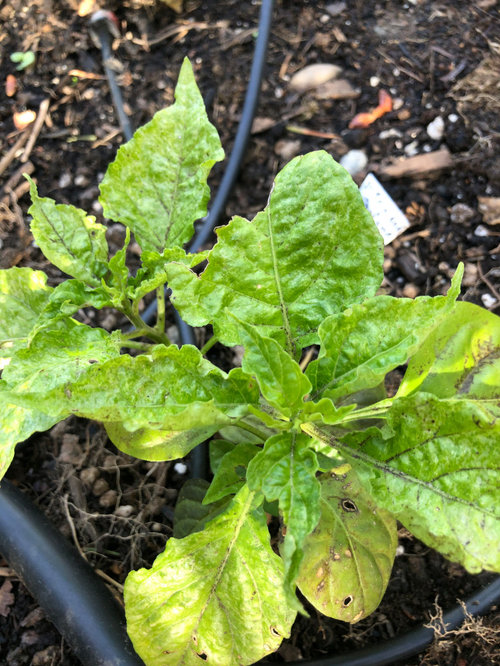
{"x": 349, "y": 555}
{"x": 280, "y": 378}
{"x": 23, "y": 295}
{"x": 362, "y": 344}
{"x": 312, "y": 252}
{"x": 169, "y": 389}
{"x": 16, "y": 425}
{"x": 58, "y": 356}
{"x": 69, "y": 238}
{"x": 460, "y": 359}
{"x": 439, "y": 474}
{"x": 154, "y": 444}
{"x": 231, "y": 472}
{"x": 215, "y": 597}
{"x": 157, "y": 185}
{"x": 217, "y": 449}
{"x": 153, "y": 273}
{"x": 66, "y": 299}
{"x": 191, "y": 514}
{"x": 285, "y": 470}
{"x": 324, "y": 410}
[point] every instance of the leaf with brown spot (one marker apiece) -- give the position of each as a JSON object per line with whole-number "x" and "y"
{"x": 348, "y": 558}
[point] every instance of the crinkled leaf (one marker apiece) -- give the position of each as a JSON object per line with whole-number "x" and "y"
{"x": 215, "y": 597}
{"x": 170, "y": 389}
{"x": 157, "y": 185}
{"x": 312, "y": 252}
{"x": 153, "y": 273}
{"x": 461, "y": 358}
{"x": 66, "y": 299}
{"x": 69, "y": 238}
{"x": 23, "y": 295}
{"x": 349, "y": 555}
{"x": 285, "y": 470}
{"x": 154, "y": 444}
{"x": 58, "y": 356}
{"x": 280, "y": 378}
{"x": 324, "y": 410}
{"x": 231, "y": 472}
{"x": 363, "y": 343}
{"x": 439, "y": 474}
{"x": 191, "y": 514}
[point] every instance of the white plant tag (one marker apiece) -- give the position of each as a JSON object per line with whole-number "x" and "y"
{"x": 390, "y": 220}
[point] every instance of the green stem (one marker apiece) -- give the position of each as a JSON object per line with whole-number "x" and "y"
{"x": 255, "y": 431}
{"x": 141, "y": 326}
{"x": 160, "y": 317}
{"x": 209, "y": 344}
{"x": 376, "y": 411}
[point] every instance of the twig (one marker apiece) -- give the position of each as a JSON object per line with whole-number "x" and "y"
{"x": 72, "y": 527}
{"x": 109, "y": 580}
{"x": 11, "y": 154}
{"x": 37, "y": 126}
{"x": 307, "y": 357}
{"x": 488, "y": 284}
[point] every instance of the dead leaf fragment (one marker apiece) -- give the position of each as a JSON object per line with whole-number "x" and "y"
{"x": 176, "y": 5}
{"x": 490, "y": 209}
{"x": 313, "y": 76}
{"x": 365, "y": 119}
{"x": 10, "y": 85}
{"x": 23, "y": 118}
{"x": 418, "y": 165}
{"x": 6, "y": 598}
{"x": 338, "y": 89}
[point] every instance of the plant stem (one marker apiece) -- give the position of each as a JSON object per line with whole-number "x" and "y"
{"x": 145, "y": 330}
{"x": 208, "y": 345}
{"x": 160, "y": 305}
{"x": 376, "y": 411}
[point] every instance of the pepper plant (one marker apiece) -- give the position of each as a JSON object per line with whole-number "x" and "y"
{"x": 322, "y": 444}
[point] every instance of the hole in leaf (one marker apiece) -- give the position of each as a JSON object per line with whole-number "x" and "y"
{"x": 202, "y": 655}
{"x": 347, "y": 601}
{"x": 275, "y": 632}
{"x": 349, "y": 506}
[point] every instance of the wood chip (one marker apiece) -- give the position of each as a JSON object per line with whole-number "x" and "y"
{"x": 417, "y": 165}
{"x": 313, "y": 76}
{"x": 23, "y": 118}
{"x": 490, "y": 209}
{"x": 338, "y": 89}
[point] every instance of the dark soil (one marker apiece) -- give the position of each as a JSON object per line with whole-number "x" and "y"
{"x": 430, "y": 57}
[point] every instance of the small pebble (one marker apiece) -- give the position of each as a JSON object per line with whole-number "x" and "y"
{"x": 461, "y": 213}
{"x": 100, "y": 487}
{"x": 488, "y": 300}
{"x": 313, "y": 76}
{"x": 410, "y": 290}
{"x": 64, "y": 180}
{"x": 453, "y": 117}
{"x": 374, "y": 81}
{"x": 335, "y": 8}
{"x": 390, "y": 134}
{"x": 89, "y": 475}
{"x": 411, "y": 149}
{"x": 124, "y": 511}
{"x": 481, "y": 230}
{"x": 354, "y": 161}
{"x": 435, "y": 129}
{"x": 108, "y": 499}
{"x": 471, "y": 274}
{"x": 400, "y": 550}
{"x": 180, "y": 468}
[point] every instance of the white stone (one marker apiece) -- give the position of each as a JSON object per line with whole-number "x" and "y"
{"x": 481, "y": 231}
{"x": 374, "y": 81}
{"x": 180, "y": 468}
{"x": 411, "y": 149}
{"x": 354, "y": 161}
{"x": 453, "y": 117}
{"x": 435, "y": 129}
{"x": 488, "y": 300}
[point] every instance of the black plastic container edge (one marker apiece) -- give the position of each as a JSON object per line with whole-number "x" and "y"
{"x": 72, "y": 596}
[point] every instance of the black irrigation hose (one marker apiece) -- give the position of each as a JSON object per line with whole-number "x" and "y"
{"x": 72, "y": 596}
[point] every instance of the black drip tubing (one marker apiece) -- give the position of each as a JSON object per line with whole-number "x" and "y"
{"x": 72, "y": 596}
